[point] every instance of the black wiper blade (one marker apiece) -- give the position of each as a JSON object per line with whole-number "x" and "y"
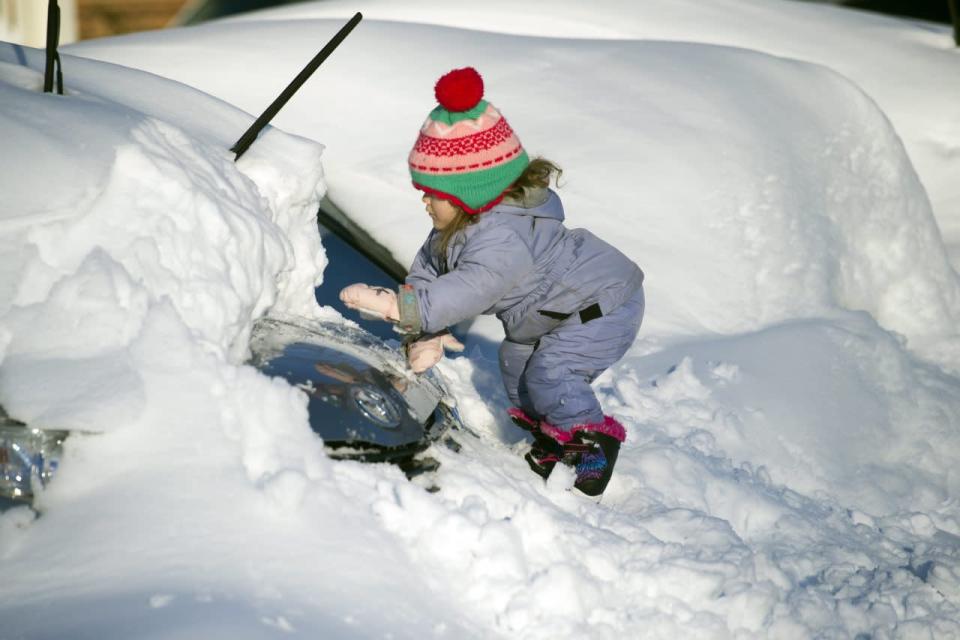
{"x": 251, "y": 134}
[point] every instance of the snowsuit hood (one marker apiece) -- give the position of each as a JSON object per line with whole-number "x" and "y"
{"x": 520, "y": 262}
{"x": 539, "y": 203}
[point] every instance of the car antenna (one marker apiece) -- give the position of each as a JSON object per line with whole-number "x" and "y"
{"x": 251, "y": 134}
{"x": 53, "y": 41}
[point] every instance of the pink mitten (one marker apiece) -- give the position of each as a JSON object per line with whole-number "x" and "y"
{"x": 426, "y": 352}
{"x": 377, "y": 302}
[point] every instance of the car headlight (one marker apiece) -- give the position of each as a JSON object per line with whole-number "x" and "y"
{"x": 27, "y": 457}
{"x": 376, "y": 406}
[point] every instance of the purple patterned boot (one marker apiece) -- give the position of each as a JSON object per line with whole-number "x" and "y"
{"x": 592, "y": 449}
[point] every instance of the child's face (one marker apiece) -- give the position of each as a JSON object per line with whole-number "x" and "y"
{"x": 442, "y": 212}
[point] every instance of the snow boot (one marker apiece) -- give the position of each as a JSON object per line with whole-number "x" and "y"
{"x": 591, "y": 449}
{"x": 544, "y": 455}
{"x": 594, "y": 465}
{"x": 522, "y": 420}
{"x": 545, "y": 452}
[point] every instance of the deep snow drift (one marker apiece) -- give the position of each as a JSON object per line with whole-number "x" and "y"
{"x": 792, "y": 404}
{"x": 723, "y": 173}
{"x": 880, "y": 54}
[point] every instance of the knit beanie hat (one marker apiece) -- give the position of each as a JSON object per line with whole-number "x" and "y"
{"x": 466, "y": 151}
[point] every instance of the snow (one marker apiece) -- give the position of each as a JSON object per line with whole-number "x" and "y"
{"x": 792, "y": 404}
{"x": 878, "y": 53}
{"x": 785, "y": 187}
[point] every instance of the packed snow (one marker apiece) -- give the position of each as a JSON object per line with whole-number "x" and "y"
{"x": 879, "y": 53}
{"x": 792, "y": 403}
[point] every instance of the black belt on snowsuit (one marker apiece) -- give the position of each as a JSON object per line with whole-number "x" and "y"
{"x": 586, "y": 314}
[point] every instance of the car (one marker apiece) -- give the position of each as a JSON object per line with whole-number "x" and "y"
{"x": 363, "y": 401}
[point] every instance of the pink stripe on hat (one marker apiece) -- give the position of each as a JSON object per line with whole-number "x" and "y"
{"x": 466, "y": 162}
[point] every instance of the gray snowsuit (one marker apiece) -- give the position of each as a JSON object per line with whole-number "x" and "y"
{"x": 570, "y": 304}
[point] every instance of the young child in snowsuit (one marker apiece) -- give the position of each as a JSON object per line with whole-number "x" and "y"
{"x": 571, "y": 304}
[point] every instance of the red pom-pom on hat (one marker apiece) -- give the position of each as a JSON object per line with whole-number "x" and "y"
{"x": 459, "y": 90}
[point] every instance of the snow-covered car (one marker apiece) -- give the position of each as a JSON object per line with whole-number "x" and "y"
{"x": 363, "y": 402}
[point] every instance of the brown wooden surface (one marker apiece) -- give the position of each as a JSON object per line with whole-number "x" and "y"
{"x": 99, "y": 18}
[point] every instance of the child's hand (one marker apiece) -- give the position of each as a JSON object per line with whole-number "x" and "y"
{"x": 379, "y": 302}
{"x": 426, "y": 352}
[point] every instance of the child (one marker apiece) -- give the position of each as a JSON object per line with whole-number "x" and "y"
{"x": 571, "y": 304}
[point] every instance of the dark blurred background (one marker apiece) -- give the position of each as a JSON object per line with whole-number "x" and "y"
{"x": 933, "y": 10}
{"x": 107, "y": 17}
{"x": 24, "y": 20}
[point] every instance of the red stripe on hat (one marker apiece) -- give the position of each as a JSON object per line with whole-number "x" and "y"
{"x": 488, "y": 163}
{"x": 473, "y": 143}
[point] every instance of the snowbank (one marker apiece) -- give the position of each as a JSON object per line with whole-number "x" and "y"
{"x": 794, "y": 437}
{"x": 900, "y": 63}
{"x": 124, "y": 218}
{"x": 750, "y": 188}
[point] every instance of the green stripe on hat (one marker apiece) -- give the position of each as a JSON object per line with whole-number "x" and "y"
{"x": 439, "y": 114}
{"x": 475, "y": 188}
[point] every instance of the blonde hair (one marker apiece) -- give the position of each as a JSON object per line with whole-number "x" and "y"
{"x": 537, "y": 175}
{"x": 461, "y": 220}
